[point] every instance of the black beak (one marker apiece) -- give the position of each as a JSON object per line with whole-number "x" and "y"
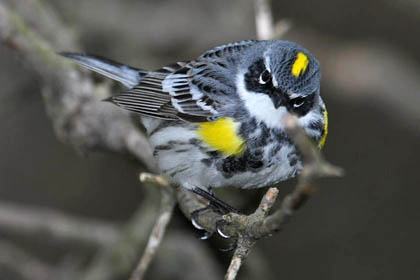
{"x": 279, "y": 98}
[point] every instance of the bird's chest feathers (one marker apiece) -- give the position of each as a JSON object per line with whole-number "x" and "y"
{"x": 222, "y": 135}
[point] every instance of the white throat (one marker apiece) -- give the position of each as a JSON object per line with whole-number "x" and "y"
{"x": 260, "y": 105}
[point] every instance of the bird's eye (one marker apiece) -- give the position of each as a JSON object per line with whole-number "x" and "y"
{"x": 297, "y": 102}
{"x": 265, "y": 77}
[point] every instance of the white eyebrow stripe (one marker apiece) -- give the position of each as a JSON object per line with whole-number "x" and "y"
{"x": 267, "y": 66}
{"x": 267, "y": 63}
{"x": 275, "y": 83}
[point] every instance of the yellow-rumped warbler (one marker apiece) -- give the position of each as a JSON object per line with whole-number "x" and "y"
{"x": 218, "y": 120}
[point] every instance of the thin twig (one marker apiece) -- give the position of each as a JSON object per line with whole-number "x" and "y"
{"x": 233, "y": 269}
{"x": 246, "y": 242}
{"x": 167, "y": 205}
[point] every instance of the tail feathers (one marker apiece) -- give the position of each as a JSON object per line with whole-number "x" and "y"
{"x": 124, "y": 74}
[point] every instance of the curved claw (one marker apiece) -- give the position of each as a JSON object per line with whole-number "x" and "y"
{"x": 194, "y": 216}
{"x": 194, "y": 222}
{"x": 206, "y": 235}
{"x": 219, "y": 225}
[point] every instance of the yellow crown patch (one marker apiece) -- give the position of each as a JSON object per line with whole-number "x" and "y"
{"x": 300, "y": 64}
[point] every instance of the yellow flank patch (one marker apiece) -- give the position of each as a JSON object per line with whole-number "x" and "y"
{"x": 222, "y": 136}
{"x": 300, "y": 64}
{"x": 324, "y": 135}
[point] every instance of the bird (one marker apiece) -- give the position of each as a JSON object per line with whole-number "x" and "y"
{"x": 217, "y": 120}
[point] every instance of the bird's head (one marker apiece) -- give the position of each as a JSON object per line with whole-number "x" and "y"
{"x": 282, "y": 78}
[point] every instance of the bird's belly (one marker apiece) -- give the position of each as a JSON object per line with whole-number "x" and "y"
{"x": 181, "y": 156}
{"x": 188, "y": 170}
{"x": 281, "y": 166}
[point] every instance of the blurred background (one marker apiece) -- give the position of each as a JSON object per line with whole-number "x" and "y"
{"x": 363, "y": 226}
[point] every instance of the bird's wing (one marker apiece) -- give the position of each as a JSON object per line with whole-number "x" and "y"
{"x": 192, "y": 91}
{"x": 168, "y": 94}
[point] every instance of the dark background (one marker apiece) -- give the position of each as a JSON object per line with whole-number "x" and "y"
{"x": 363, "y": 226}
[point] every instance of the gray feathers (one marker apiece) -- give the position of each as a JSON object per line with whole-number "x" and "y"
{"x": 166, "y": 94}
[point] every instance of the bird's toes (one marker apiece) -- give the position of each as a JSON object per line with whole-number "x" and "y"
{"x": 219, "y": 227}
{"x": 194, "y": 217}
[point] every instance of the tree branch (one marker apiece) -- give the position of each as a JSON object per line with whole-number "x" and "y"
{"x": 244, "y": 243}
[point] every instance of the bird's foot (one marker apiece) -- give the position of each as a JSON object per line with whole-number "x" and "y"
{"x": 215, "y": 205}
{"x": 234, "y": 243}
